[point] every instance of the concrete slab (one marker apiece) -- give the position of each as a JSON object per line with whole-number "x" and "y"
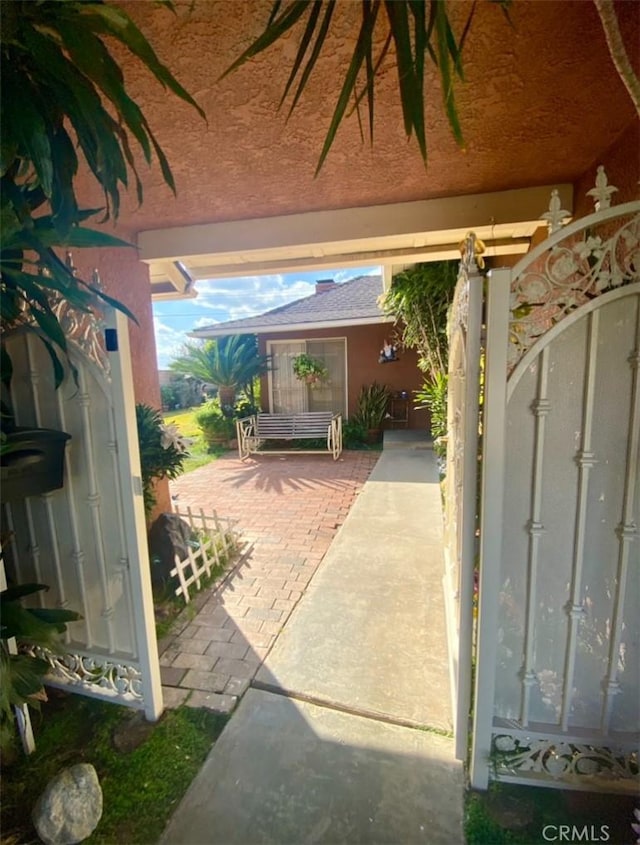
{"x": 286, "y": 772}
{"x": 369, "y": 634}
{"x": 407, "y": 439}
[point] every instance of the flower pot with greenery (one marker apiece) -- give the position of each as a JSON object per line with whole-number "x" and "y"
{"x": 217, "y": 428}
{"x": 309, "y": 369}
{"x": 372, "y": 409}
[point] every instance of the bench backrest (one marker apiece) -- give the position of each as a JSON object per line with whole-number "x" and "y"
{"x": 311, "y": 424}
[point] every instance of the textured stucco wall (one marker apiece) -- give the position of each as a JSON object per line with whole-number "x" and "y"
{"x": 540, "y": 102}
{"x": 622, "y": 165}
{"x": 363, "y": 346}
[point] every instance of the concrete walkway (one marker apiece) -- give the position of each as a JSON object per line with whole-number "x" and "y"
{"x": 333, "y": 742}
{"x": 288, "y": 510}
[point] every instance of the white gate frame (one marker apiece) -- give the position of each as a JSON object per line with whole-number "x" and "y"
{"x": 493, "y": 476}
{"x": 131, "y": 678}
{"x": 465, "y": 328}
{"x": 124, "y": 405}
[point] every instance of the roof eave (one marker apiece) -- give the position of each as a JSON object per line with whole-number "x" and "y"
{"x": 222, "y": 331}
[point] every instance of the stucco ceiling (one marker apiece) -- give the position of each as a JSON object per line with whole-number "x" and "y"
{"x": 541, "y": 102}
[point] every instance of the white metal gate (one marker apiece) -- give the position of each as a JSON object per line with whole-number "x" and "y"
{"x": 558, "y": 651}
{"x": 87, "y": 541}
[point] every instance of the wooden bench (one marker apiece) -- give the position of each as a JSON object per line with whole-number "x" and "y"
{"x": 254, "y": 431}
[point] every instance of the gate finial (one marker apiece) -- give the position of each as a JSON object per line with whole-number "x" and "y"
{"x": 603, "y": 191}
{"x": 557, "y": 216}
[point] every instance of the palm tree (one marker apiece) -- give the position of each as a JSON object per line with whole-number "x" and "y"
{"x": 231, "y": 363}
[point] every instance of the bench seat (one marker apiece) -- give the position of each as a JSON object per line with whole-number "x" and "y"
{"x": 254, "y": 431}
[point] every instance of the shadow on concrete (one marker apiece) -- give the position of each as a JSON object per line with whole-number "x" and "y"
{"x": 285, "y": 772}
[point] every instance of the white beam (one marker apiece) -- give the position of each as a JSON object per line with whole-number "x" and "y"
{"x": 319, "y": 228}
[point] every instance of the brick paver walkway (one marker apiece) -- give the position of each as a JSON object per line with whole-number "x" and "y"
{"x": 289, "y": 509}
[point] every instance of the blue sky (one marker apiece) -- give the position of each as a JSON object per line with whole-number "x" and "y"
{"x": 220, "y": 300}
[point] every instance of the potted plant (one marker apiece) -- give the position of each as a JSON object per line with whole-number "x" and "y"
{"x": 31, "y": 462}
{"x": 217, "y": 427}
{"x": 308, "y": 369}
{"x": 372, "y": 409}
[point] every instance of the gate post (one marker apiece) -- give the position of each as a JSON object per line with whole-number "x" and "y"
{"x": 491, "y": 512}
{"x": 134, "y": 518}
{"x": 467, "y": 548}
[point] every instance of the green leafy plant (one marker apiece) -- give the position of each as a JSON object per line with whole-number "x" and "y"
{"x": 371, "y": 409}
{"x": 162, "y": 451}
{"x": 354, "y": 434}
{"x": 231, "y": 363}
{"x": 433, "y": 396}
{"x": 419, "y": 299}
{"x": 309, "y": 369}
{"x": 22, "y": 674}
{"x": 216, "y": 426}
{"x": 64, "y": 101}
{"x": 416, "y": 33}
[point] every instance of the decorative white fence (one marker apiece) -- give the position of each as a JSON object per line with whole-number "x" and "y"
{"x": 216, "y": 545}
{"x": 558, "y": 633}
{"x": 87, "y": 541}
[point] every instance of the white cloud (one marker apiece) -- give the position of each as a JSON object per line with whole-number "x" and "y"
{"x": 169, "y": 342}
{"x": 248, "y": 296}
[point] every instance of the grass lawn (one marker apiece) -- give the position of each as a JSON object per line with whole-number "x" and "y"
{"x": 141, "y": 787}
{"x": 510, "y": 814}
{"x": 198, "y": 452}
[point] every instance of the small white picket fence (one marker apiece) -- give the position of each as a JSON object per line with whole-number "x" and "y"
{"x": 218, "y": 543}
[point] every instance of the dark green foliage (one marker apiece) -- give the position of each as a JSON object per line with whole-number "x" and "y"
{"x": 354, "y": 434}
{"x": 419, "y": 299}
{"x": 416, "y": 31}
{"x": 162, "y": 452}
{"x": 371, "y": 410}
{"x": 64, "y": 101}
{"x": 21, "y": 675}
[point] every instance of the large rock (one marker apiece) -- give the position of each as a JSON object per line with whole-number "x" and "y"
{"x": 169, "y": 535}
{"x": 69, "y": 809}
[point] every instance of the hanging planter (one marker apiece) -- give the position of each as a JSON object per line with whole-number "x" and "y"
{"x": 32, "y": 462}
{"x": 310, "y": 370}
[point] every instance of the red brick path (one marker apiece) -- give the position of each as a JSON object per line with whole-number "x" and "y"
{"x": 290, "y": 508}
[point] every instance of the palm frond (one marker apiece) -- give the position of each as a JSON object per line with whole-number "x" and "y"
{"x": 418, "y": 29}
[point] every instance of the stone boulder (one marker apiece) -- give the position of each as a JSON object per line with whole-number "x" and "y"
{"x": 169, "y": 535}
{"x": 69, "y": 809}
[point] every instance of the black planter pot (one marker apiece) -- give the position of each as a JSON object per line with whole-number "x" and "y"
{"x": 33, "y": 462}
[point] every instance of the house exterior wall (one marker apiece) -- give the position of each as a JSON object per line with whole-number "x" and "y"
{"x": 363, "y": 347}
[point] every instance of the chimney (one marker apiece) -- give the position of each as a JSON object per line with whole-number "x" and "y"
{"x": 323, "y": 285}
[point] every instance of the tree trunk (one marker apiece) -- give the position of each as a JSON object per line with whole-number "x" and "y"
{"x": 227, "y": 396}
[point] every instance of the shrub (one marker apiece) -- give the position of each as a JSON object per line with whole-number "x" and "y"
{"x": 216, "y": 426}
{"x": 162, "y": 451}
{"x": 354, "y": 434}
{"x": 433, "y": 396}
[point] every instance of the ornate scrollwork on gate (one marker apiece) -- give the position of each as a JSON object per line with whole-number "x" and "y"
{"x": 120, "y": 680}
{"x": 561, "y": 760}
{"x": 84, "y": 328}
{"x": 571, "y": 273}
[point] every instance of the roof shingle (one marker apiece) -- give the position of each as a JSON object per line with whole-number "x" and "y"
{"x": 351, "y": 302}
